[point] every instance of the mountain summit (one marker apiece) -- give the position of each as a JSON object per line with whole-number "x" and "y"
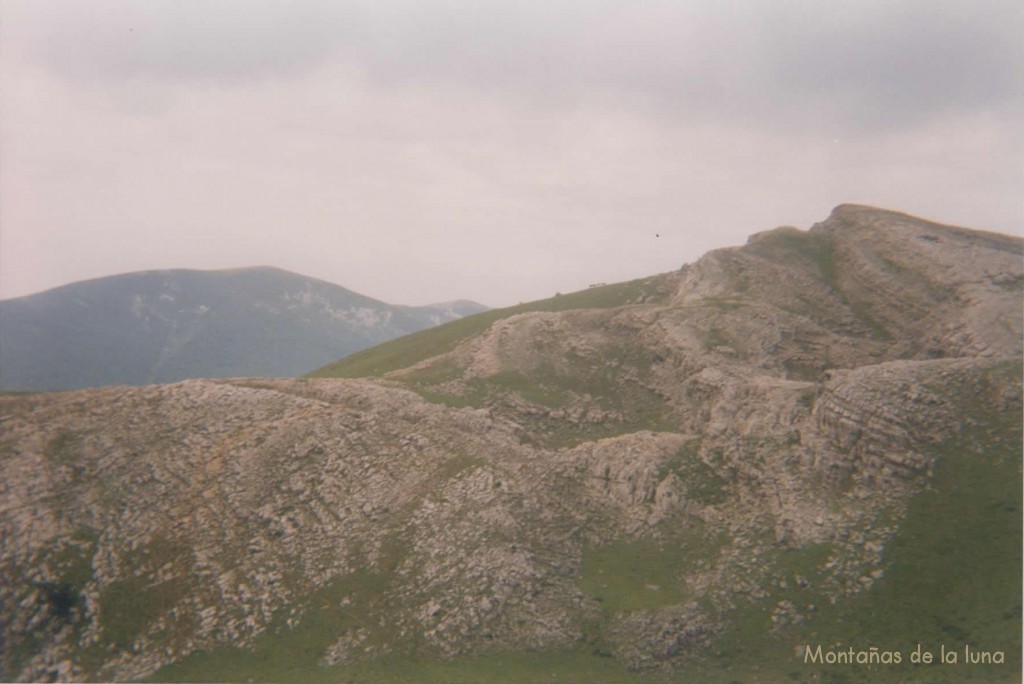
{"x": 787, "y": 458}
{"x": 163, "y": 326}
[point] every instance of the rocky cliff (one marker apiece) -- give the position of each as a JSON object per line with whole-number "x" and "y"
{"x": 647, "y": 475}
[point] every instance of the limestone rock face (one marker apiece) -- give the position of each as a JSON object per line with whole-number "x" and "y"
{"x": 881, "y": 417}
{"x": 775, "y": 397}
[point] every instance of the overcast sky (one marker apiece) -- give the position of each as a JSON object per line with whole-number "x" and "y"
{"x": 499, "y": 151}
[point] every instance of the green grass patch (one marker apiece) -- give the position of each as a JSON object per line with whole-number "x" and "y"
{"x": 607, "y": 382}
{"x": 62, "y": 448}
{"x": 576, "y": 666}
{"x": 534, "y": 390}
{"x": 628, "y": 575}
{"x": 478, "y": 392}
{"x": 129, "y": 607}
{"x": 703, "y": 483}
{"x": 715, "y": 337}
{"x": 789, "y": 245}
{"x": 552, "y": 434}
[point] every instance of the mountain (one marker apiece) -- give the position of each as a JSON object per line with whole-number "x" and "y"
{"x": 163, "y": 326}
{"x": 795, "y": 460}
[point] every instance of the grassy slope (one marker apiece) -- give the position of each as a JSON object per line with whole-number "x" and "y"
{"x": 411, "y": 349}
{"x": 603, "y": 382}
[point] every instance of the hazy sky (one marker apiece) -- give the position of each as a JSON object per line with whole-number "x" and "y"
{"x": 498, "y": 151}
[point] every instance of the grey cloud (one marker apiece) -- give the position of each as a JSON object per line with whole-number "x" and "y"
{"x": 903, "y": 60}
{"x": 862, "y": 63}
{"x": 220, "y": 40}
{"x": 856, "y": 64}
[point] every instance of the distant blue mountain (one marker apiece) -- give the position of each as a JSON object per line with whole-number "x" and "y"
{"x": 164, "y": 326}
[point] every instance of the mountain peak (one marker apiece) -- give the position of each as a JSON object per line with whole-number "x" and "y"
{"x": 866, "y": 215}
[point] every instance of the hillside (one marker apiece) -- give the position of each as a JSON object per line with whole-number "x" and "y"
{"x": 163, "y": 326}
{"x": 813, "y": 440}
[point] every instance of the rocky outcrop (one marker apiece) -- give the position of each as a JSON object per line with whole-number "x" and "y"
{"x": 881, "y": 418}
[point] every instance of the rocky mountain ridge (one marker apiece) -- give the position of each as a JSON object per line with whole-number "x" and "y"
{"x": 739, "y": 452}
